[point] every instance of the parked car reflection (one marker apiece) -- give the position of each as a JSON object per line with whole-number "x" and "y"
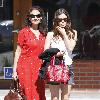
{"x": 6, "y": 36}
{"x": 89, "y": 43}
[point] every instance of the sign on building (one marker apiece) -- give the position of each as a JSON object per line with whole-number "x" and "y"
{"x": 8, "y": 72}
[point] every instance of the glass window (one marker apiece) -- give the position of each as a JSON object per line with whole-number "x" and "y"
{"x": 87, "y": 21}
{"x": 6, "y": 35}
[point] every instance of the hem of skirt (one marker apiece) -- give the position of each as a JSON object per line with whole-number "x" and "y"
{"x": 56, "y": 83}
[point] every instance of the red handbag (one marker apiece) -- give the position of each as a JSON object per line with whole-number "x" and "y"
{"x": 57, "y": 73}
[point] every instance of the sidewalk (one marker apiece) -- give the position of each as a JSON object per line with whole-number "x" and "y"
{"x": 75, "y": 94}
{"x": 85, "y": 94}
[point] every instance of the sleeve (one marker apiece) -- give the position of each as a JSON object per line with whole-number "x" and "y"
{"x": 75, "y": 38}
{"x": 48, "y": 40}
{"x": 21, "y": 38}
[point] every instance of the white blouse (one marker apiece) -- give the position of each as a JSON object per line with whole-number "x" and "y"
{"x": 57, "y": 42}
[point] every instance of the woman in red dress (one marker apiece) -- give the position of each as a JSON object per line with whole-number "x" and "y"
{"x": 26, "y": 62}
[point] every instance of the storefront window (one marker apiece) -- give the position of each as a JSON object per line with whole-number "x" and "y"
{"x": 6, "y": 35}
{"x": 88, "y": 26}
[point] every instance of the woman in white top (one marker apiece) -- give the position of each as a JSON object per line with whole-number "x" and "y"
{"x": 64, "y": 38}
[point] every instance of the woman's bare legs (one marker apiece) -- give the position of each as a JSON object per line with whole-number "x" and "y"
{"x": 64, "y": 91}
{"x": 54, "y": 89}
{"x": 71, "y": 81}
{"x": 69, "y": 89}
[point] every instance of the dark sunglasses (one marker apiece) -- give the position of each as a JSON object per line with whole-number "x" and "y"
{"x": 33, "y": 16}
{"x": 60, "y": 19}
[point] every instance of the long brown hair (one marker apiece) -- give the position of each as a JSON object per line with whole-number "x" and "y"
{"x": 68, "y": 27}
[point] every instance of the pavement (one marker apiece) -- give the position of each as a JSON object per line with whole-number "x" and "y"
{"x": 76, "y": 94}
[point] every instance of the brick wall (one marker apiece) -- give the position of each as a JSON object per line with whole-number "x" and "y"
{"x": 87, "y": 74}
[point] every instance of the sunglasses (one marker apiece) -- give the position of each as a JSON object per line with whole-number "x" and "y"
{"x": 60, "y": 19}
{"x": 33, "y": 16}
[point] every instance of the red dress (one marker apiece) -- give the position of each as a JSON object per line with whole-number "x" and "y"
{"x": 29, "y": 64}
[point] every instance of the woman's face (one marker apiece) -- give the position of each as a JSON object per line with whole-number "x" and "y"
{"x": 62, "y": 20}
{"x": 35, "y": 17}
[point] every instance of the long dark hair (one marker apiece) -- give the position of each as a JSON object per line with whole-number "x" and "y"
{"x": 43, "y": 25}
{"x": 68, "y": 27}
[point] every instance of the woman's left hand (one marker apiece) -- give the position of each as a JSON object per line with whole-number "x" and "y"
{"x": 61, "y": 53}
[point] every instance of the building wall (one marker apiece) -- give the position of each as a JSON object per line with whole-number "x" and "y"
{"x": 87, "y": 74}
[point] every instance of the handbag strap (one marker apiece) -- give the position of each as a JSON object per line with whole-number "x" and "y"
{"x": 11, "y": 85}
{"x": 16, "y": 87}
{"x": 52, "y": 62}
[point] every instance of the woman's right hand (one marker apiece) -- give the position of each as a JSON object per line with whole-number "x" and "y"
{"x": 15, "y": 76}
{"x": 61, "y": 30}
